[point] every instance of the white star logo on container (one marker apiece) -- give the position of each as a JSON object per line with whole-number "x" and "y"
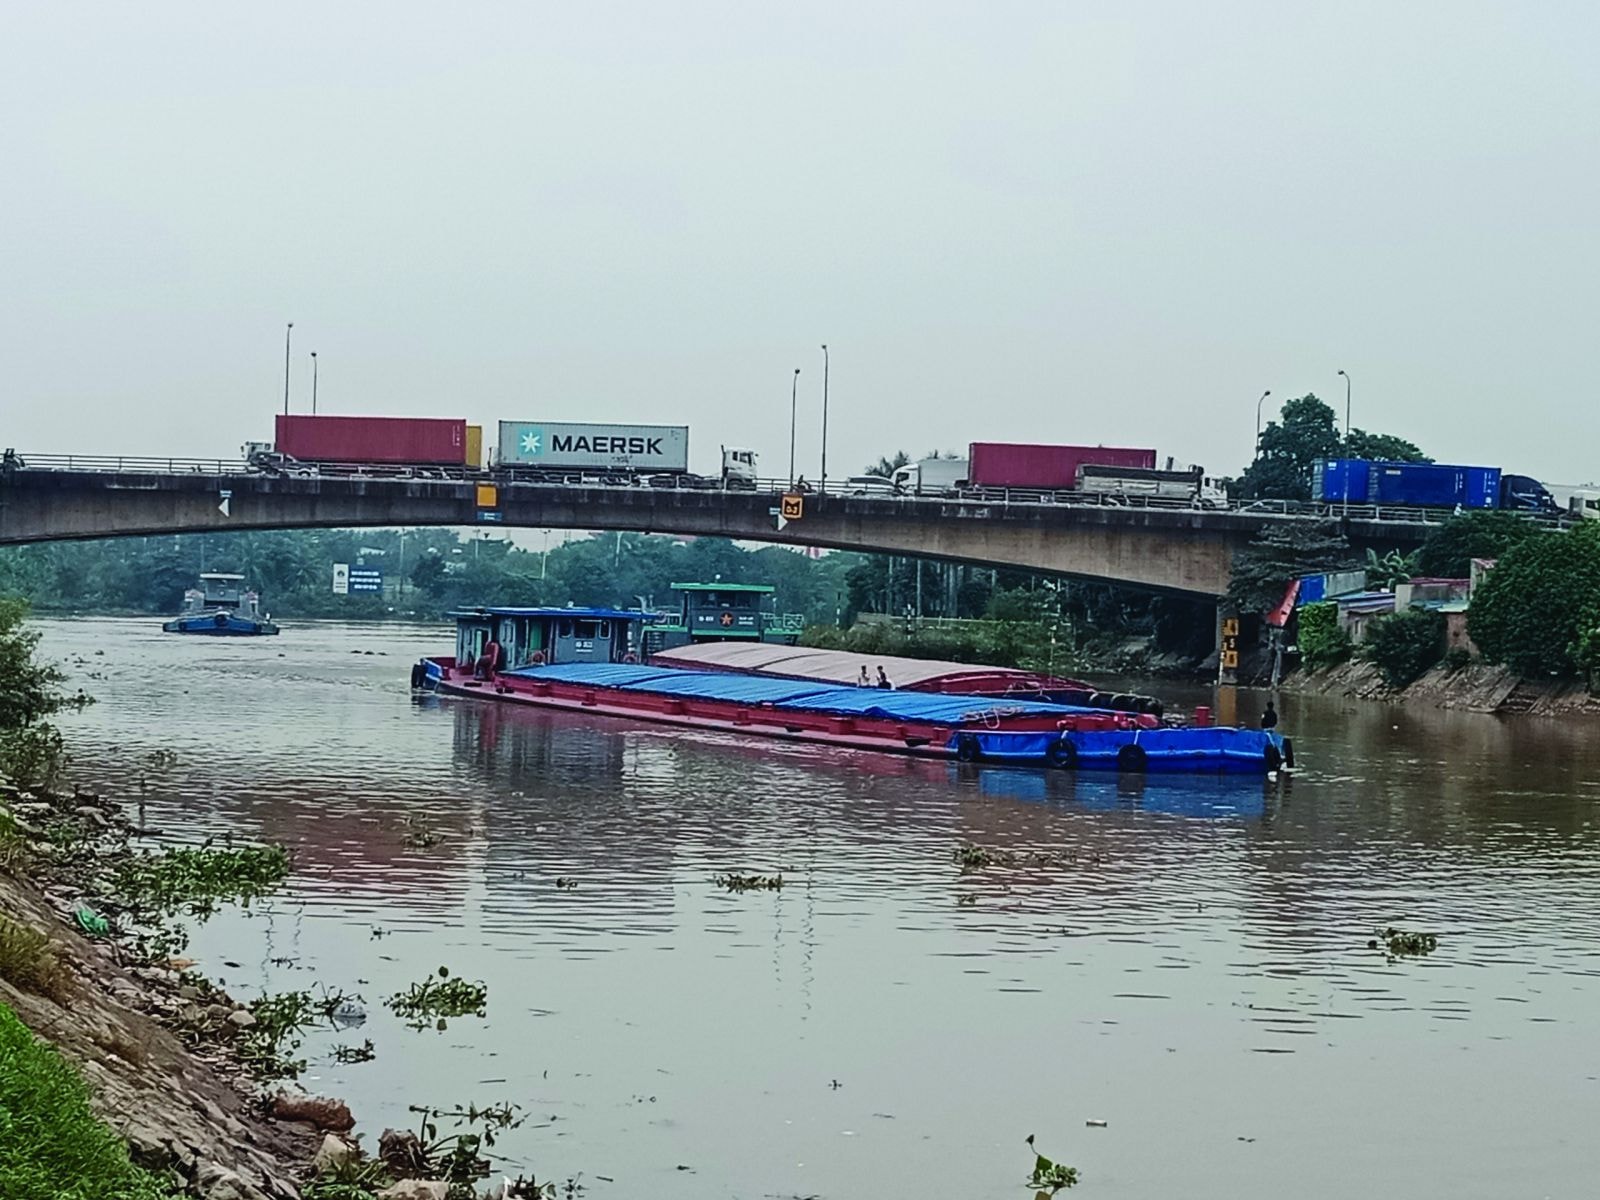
{"x": 531, "y": 442}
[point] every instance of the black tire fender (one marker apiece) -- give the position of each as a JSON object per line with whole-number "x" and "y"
{"x": 967, "y": 748}
{"x": 418, "y": 674}
{"x": 1273, "y": 758}
{"x": 1132, "y": 758}
{"x": 1061, "y": 754}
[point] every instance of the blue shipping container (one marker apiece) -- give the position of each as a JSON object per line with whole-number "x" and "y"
{"x": 1421, "y": 485}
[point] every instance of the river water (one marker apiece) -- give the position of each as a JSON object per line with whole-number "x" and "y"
{"x": 1187, "y": 962}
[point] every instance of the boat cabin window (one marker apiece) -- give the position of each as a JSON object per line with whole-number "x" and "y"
{"x": 566, "y": 629}
{"x": 588, "y": 630}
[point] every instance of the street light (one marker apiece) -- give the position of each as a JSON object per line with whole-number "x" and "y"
{"x": 824, "y": 416}
{"x": 313, "y": 383}
{"x": 288, "y": 335}
{"x": 1346, "y": 441}
{"x": 794, "y": 394}
{"x": 1259, "y": 403}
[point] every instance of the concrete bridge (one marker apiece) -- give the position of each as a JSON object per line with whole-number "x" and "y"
{"x": 1168, "y": 549}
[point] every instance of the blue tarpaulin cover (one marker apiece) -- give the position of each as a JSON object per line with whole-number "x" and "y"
{"x": 792, "y": 694}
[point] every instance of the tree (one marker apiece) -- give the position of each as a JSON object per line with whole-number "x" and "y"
{"x": 1263, "y": 569}
{"x": 1380, "y": 447}
{"x": 1533, "y": 608}
{"x": 1322, "y": 642}
{"x": 886, "y": 467}
{"x": 1306, "y": 430}
{"x": 1487, "y": 533}
{"x": 1390, "y": 570}
{"x": 1405, "y": 645}
{"x": 30, "y": 693}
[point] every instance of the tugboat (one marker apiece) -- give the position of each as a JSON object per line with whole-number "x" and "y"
{"x": 220, "y": 607}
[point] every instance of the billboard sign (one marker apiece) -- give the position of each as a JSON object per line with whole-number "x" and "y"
{"x": 341, "y": 579}
{"x": 366, "y": 581}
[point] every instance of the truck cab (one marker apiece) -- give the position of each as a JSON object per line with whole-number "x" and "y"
{"x": 738, "y": 468}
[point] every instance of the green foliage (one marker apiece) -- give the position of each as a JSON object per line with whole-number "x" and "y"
{"x": 1532, "y": 610}
{"x": 1380, "y": 447}
{"x": 1483, "y": 533}
{"x": 1306, "y": 430}
{"x": 1405, "y": 645}
{"x": 889, "y": 464}
{"x": 30, "y": 693}
{"x": 1389, "y": 570}
{"x": 51, "y": 1146}
{"x": 1397, "y": 943}
{"x": 1586, "y": 654}
{"x": 439, "y": 997}
{"x": 1322, "y": 642}
{"x": 1263, "y": 569}
{"x": 1050, "y": 1177}
{"x": 197, "y": 879}
{"x": 28, "y": 960}
{"x": 1456, "y": 659}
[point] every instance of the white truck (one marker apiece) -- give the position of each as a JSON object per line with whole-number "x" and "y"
{"x": 1185, "y": 485}
{"x": 930, "y": 477}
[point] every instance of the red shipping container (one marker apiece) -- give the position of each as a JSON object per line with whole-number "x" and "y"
{"x": 1018, "y": 465}
{"x": 422, "y": 440}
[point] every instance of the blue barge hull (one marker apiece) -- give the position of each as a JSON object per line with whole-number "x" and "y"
{"x": 220, "y": 624}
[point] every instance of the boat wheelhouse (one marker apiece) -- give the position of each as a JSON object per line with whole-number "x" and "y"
{"x": 722, "y": 612}
{"x": 491, "y": 640}
{"x": 221, "y": 607}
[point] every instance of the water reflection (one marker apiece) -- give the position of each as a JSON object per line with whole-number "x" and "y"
{"x": 1186, "y": 958}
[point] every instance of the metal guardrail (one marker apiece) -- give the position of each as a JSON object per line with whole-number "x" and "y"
{"x": 518, "y": 478}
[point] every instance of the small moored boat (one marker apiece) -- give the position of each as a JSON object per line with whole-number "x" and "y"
{"x": 220, "y": 607}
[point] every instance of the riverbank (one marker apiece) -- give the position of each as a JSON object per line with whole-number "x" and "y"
{"x": 1477, "y": 687}
{"x": 153, "y": 1045}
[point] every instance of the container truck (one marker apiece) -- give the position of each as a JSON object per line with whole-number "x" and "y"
{"x": 1045, "y": 468}
{"x": 366, "y": 441}
{"x": 1187, "y": 485}
{"x": 562, "y": 449}
{"x": 930, "y": 476}
{"x": 1425, "y": 485}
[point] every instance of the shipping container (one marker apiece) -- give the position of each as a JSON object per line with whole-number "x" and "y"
{"x": 1406, "y": 485}
{"x": 566, "y": 445}
{"x": 1099, "y": 479}
{"x": 417, "y": 441}
{"x": 475, "y": 446}
{"x": 1047, "y": 468}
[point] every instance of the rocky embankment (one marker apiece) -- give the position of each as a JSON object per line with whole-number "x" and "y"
{"x": 1477, "y": 687}
{"x": 154, "y": 1045}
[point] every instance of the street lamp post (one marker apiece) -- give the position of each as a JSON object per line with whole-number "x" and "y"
{"x": 288, "y": 335}
{"x": 824, "y": 416}
{"x": 313, "y": 383}
{"x": 1259, "y": 403}
{"x": 794, "y": 395}
{"x": 1346, "y": 441}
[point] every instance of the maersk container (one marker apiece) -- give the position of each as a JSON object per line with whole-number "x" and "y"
{"x": 1047, "y": 468}
{"x": 567, "y": 445}
{"x": 424, "y": 441}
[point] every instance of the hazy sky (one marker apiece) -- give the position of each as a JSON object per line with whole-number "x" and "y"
{"x": 1110, "y": 222}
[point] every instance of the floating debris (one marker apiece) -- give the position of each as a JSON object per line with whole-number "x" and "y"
{"x": 439, "y": 997}
{"x": 1398, "y": 943}
{"x": 736, "y": 882}
{"x": 1050, "y": 1177}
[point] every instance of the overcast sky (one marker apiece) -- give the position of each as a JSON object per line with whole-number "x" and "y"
{"x": 1068, "y": 222}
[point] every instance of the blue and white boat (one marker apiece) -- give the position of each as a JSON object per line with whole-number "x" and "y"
{"x": 220, "y": 607}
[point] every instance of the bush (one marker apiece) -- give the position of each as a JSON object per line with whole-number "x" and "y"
{"x": 1457, "y": 659}
{"x": 1322, "y": 643}
{"x": 1449, "y": 550}
{"x": 1533, "y": 608}
{"x": 1405, "y": 645}
{"x": 53, "y": 1148}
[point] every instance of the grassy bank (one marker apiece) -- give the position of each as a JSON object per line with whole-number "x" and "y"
{"x": 51, "y": 1145}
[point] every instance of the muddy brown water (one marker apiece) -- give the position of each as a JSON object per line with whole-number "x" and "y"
{"x": 1186, "y": 960}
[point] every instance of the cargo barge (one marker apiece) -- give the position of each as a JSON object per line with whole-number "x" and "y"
{"x": 582, "y": 660}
